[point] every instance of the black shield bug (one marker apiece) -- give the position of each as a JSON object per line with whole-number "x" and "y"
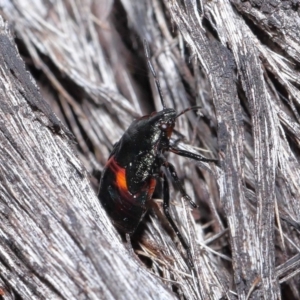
{"x": 137, "y": 162}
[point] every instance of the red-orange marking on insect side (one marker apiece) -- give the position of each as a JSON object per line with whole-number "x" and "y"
{"x": 170, "y": 131}
{"x": 120, "y": 174}
{"x": 151, "y": 188}
{"x": 121, "y": 179}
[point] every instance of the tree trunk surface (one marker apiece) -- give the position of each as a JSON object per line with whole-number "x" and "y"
{"x": 74, "y": 76}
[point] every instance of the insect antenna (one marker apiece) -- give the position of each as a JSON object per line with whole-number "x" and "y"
{"x": 150, "y": 66}
{"x": 188, "y": 109}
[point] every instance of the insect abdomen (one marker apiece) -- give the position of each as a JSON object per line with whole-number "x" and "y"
{"x": 125, "y": 209}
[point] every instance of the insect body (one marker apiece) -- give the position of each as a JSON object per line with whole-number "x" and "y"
{"x": 130, "y": 175}
{"x": 135, "y": 164}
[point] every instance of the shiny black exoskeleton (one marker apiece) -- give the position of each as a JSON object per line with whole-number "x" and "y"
{"x": 131, "y": 172}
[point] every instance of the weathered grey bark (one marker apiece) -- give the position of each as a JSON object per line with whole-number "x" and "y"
{"x": 239, "y": 60}
{"x": 55, "y": 242}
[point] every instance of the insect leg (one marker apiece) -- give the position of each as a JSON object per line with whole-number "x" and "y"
{"x": 191, "y": 155}
{"x": 166, "y": 207}
{"x": 177, "y": 182}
